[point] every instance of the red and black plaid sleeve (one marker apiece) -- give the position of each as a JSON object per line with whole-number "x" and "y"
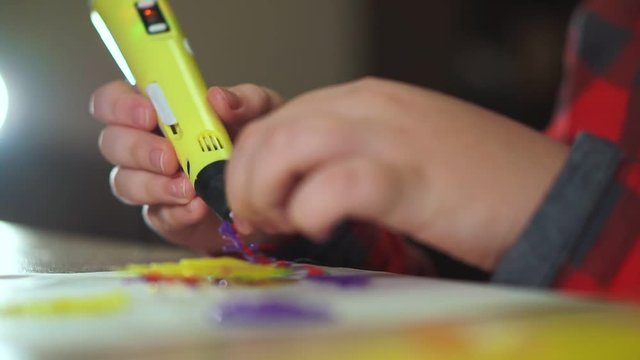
{"x": 586, "y": 237}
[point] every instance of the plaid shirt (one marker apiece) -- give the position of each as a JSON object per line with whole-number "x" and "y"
{"x": 601, "y": 96}
{"x": 599, "y": 251}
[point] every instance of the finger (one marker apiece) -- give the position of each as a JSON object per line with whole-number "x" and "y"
{"x": 174, "y": 221}
{"x": 238, "y": 180}
{"x": 117, "y": 103}
{"x": 287, "y": 155}
{"x": 135, "y": 187}
{"x": 240, "y": 104}
{"x": 137, "y": 149}
{"x": 355, "y": 188}
{"x": 237, "y": 172}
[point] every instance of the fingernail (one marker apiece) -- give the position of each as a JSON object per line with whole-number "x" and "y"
{"x": 178, "y": 188}
{"x": 142, "y": 117}
{"x": 232, "y": 99}
{"x": 157, "y": 157}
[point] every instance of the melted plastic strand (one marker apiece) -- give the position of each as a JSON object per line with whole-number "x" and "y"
{"x": 343, "y": 281}
{"x": 100, "y": 304}
{"x": 193, "y": 270}
{"x": 269, "y": 312}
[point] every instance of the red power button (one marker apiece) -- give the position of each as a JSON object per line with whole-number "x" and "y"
{"x": 152, "y": 17}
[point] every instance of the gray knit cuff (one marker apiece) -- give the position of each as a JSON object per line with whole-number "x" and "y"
{"x": 557, "y": 229}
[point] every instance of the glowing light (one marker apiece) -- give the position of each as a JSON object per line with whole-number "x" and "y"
{"x": 4, "y": 102}
{"x": 148, "y": 12}
{"x": 111, "y": 44}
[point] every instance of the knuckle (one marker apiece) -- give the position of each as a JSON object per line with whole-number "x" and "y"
{"x": 369, "y": 181}
{"x": 367, "y": 82}
{"x": 373, "y": 91}
{"x": 251, "y": 88}
{"x": 361, "y": 181}
{"x": 140, "y": 151}
{"x": 311, "y": 132}
{"x": 374, "y": 180}
{"x": 141, "y": 148}
{"x": 262, "y": 96}
{"x": 125, "y": 106}
{"x": 284, "y": 138}
{"x": 319, "y": 135}
{"x": 274, "y": 98}
{"x": 99, "y": 105}
{"x": 368, "y": 86}
{"x": 119, "y": 110}
{"x": 345, "y": 180}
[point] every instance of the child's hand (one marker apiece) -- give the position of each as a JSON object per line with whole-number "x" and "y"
{"x": 147, "y": 171}
{"x": 448, "y": 173}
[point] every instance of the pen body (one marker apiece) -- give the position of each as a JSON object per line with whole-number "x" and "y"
{"x": 156, "y": 57}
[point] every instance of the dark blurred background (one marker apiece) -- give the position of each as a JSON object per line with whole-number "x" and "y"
{"x": 505, "y": 55}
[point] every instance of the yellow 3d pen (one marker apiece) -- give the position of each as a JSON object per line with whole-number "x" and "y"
{"x": 146, "y": 41}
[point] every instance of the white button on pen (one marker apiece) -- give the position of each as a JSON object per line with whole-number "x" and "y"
{"x": 161, "y": 104}
{"x": 156, "y": 28}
